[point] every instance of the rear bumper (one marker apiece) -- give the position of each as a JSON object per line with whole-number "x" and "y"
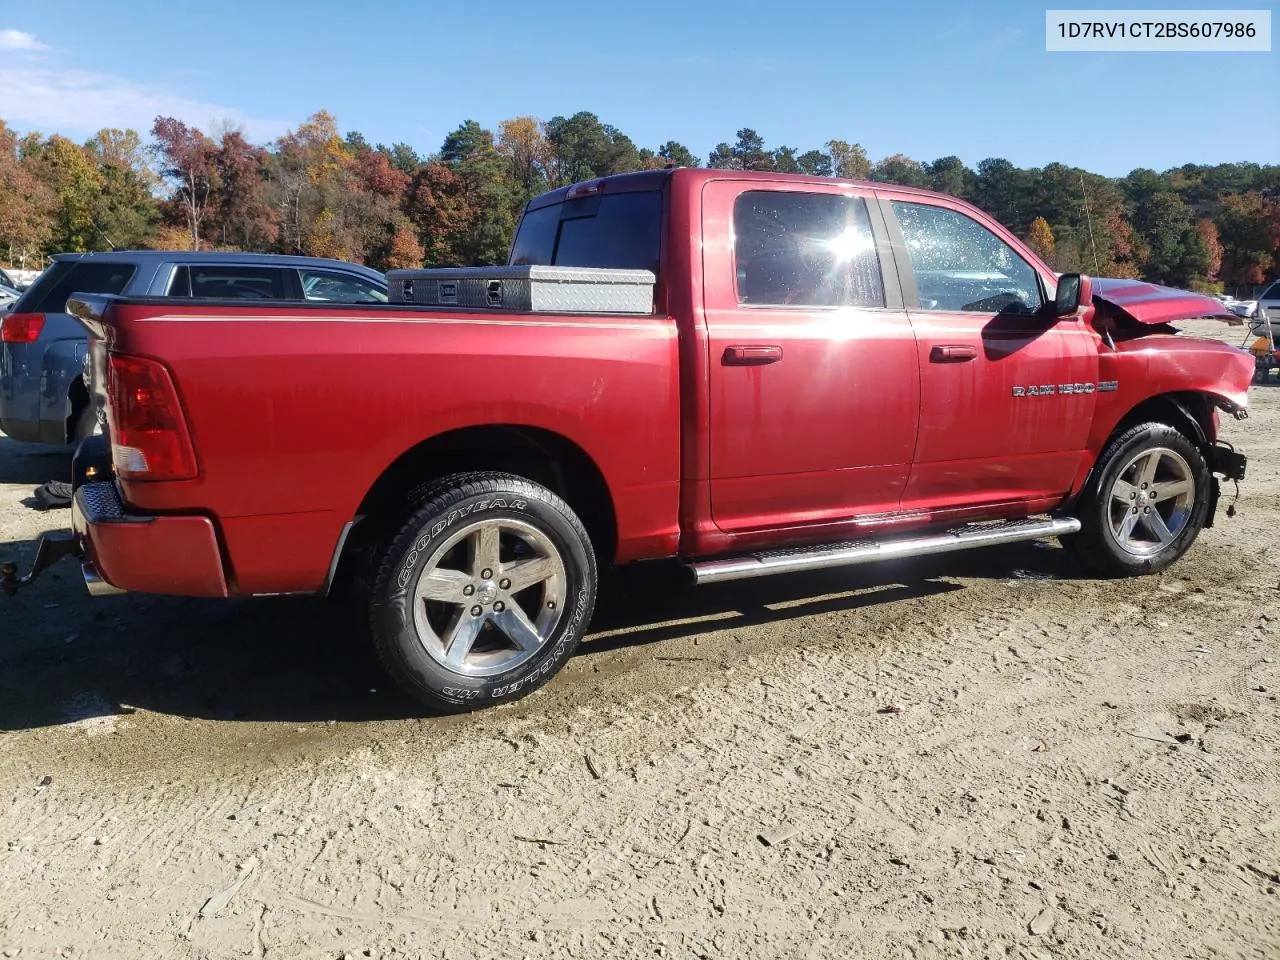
{"x": 172, "y": 555}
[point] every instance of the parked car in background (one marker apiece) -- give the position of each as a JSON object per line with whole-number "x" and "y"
{"x": 1244, "y": 308}
{"x": 43, "y": 397}
{"x": 1266, "y": 319}
{"x": 8, "y": 295}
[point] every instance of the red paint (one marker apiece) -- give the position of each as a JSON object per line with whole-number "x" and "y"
{"x": 1153, "y": 304}
{"x": 173, "y": 555}
{"x": 716, "y": 426}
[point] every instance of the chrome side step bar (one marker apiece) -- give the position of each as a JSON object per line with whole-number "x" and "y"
{"x": 854, "y": 552}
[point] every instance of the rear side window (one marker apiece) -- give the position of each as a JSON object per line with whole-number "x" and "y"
{"x": 228, "y": 283}
{"x": 49, "y": 294}
{"x": 805, "y": 249}
{"x": 621, "y": 231}
{"x": 332, "y": 287}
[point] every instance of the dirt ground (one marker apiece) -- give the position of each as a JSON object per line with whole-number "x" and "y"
{"x": 1080, "y": 768}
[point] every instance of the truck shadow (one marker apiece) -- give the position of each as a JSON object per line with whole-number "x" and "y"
{"x": 33, "y": 463}
{"x": 66, "y": 658}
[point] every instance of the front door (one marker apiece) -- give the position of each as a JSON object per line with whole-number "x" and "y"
{"x": 1007, "y": 390}
{"x": 814, "y": 387}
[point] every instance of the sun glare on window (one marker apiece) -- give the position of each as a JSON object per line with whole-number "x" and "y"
{"x": 847, "y": 245}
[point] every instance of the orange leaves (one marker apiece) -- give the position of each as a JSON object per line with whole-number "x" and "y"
{"x": 1040, "y": 238}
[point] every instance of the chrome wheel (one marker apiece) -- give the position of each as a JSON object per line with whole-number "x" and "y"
{"x": 1151, "y": 501}
{"x": 489, "y": 597}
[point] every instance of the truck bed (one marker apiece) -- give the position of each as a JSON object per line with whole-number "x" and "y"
{"x": 296, "y": 412}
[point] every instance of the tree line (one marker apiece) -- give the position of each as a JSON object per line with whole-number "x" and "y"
{"x": 317, "y": 192}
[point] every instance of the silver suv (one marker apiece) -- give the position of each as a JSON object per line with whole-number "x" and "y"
{"x": 1268, "y": 313}
{"x": 43, "y": 398}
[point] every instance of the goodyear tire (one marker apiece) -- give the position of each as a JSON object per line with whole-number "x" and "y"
{"x": 484, "y": 592}
{"x": 1145, "y": 504}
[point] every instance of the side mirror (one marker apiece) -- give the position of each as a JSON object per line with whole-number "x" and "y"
{"x": 1074, "y": 291}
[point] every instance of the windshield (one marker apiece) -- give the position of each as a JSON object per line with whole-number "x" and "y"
{"x": 622, "y": 231}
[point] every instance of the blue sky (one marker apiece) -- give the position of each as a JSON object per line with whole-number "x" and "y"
{"x": 927, "y": 78}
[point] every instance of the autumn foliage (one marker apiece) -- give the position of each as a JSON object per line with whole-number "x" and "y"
{"x": 320, "y": 192}
{"x": 1040, "y": 238}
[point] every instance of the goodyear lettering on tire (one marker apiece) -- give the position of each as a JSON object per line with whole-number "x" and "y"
{"x": 411, "y": 560}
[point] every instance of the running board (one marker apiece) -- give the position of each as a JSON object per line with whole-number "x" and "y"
{"x": 851, "y": 553}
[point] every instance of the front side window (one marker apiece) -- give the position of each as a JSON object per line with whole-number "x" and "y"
{"x": 805, "y": 249}
{"x": 331, "y": 287}
{"x": 960, "y": 265}
{"x": 228, "y": 283}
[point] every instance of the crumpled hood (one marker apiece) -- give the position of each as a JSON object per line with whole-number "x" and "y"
{"x": 1151, "y": 303}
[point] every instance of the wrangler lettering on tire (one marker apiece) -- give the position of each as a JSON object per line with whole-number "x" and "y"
{"x": 484, "y": 592}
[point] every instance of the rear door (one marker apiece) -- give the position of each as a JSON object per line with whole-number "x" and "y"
{"x": 814, "y": 391}
{"x": 1007, "y": 391}
{"x": 223, "y": 281}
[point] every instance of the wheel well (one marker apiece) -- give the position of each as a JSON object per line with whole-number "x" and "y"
{"x": 1188, "y": 412}
{"x": 546, "y": 458}
{"x": 77, "y": 400}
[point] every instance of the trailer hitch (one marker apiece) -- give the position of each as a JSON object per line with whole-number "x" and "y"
{"x": 51, "y": 548}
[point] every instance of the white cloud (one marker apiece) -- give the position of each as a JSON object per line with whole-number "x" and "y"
{"x": 17, "y": 40}
{"x": 38, "y": 95}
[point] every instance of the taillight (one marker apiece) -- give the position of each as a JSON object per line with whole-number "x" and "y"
{"x": 149, "y": 438}
{"x": 584, "y": 189}
{"x": 21, "y": 327}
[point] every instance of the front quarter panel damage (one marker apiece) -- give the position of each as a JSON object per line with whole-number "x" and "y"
{"x": 1171, "y": 377}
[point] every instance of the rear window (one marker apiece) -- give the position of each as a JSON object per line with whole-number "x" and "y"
{"x": 50, "y": 292}
{"x": 1273, "y": 292}
{"x": 621, "y": 231}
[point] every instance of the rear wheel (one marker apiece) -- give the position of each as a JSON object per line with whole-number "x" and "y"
{"x": 1146, "y": 504}
{"x": 483, "y": 593}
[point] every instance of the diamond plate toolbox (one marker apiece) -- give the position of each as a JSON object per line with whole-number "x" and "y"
{"x": 528, "y": 289}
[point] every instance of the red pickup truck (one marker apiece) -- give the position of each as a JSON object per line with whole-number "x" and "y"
{"x": 832, "y": 373}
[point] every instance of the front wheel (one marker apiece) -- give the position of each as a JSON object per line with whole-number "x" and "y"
{"x": 484, "y": 593}
{"x": 1146, "y": 504}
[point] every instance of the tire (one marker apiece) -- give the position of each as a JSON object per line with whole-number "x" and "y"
{"x": 456, "y": 639}
{"x": 1116, "y": 540}
{"x": 84, "y": 421}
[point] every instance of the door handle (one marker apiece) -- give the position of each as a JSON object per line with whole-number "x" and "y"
{"x": 953, "y": 353}
{"x": 751, "y": 355}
